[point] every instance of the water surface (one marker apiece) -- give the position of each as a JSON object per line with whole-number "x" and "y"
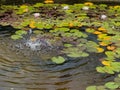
{"x": 22, "y": 69}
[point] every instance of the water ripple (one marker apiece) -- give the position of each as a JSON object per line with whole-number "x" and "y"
{"x": 19, "y": 72}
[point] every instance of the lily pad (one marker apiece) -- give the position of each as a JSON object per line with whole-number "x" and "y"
{"x": 91, "y": 88}
{"x": 58, "y": 60}
{"x": 111, "y": 85}
{"x": 20, "y": 32}
{"x": 15, "y": 37}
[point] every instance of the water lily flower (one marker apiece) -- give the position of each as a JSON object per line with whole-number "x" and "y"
{"x": 97, "y": 32}
{"x": 49, "y": 1}
{"x": 36, "y": 15}
{"x": 106, "y": 63}
{"x": 103, "y": 44}
{"x": 85, "y": 8}
{"x": 24, "y": 8}
{"x": 111, "y": 47}
{"x": 117, "y": 7}
{"x": 103, "y": 16}
{"x": 102, "y": 29}
{"x": 32, "y": 24}
{"x": 66, "y": 7}
{"x": 100, "y": 50}
{"x": 88, "y": 3}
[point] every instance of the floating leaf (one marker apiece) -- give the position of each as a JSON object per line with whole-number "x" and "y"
{"x": 101, "y": 88}
{"x": 58, "y": 60}
{"x": 110, "y": 55}
{"x": 20, "y": 32}
{"x": 90, "y": 30}
{"x": 73, "y": 54}
{"x": 108, "y": 69}
{"x": 111, "y": 85}
{"x": 77, "y": 54}
{"x": 68, "y": 45}
{"x": 62, "y": 29}
{"x": 15, "y": 37}
{"x": 100, "y": 69}
{"x": 91, "y": 88}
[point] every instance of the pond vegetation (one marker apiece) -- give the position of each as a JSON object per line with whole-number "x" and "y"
{"x": 77, "y": 30}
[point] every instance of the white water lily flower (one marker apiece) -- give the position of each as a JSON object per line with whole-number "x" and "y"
{"x": 36, "y": 14}
{"x": 103, "y": 17}
{"x": 85, "y": 8}
{"x": 66, "y": 7}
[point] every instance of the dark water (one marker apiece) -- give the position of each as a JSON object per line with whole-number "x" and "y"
{"x": 21, "y": 69}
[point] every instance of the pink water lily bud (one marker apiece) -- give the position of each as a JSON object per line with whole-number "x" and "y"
{"x": 36, "y": 15}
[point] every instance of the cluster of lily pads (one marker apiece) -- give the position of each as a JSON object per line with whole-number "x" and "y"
{"x": 113, "y": 85}
{"x": 83, "y": 29}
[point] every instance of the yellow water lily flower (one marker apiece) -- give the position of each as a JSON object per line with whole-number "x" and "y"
{"x": 111, "y": 47}
{"x": 104, "y": 37}
{"x": 97, "y": 32}
{"x": 88, "y": 3}
{"x": 117, "y": 6}
{"x": 49, "y": 1}
{"x": 106, "y": 63}
{"x": 71, "y": 24}
{"x": 100, "y": 50}
{"x": 24, "y": 8}
{"x": 32, "y": 24}
{"x": 102, "y": 29}
{"x": 107, "y": 38}
{"x": 103, "y": 44}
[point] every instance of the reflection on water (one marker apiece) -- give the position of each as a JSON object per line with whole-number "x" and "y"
{"x": 24, "y": 71}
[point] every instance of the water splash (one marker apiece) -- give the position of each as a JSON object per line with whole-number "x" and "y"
{"x": 38, "y": 44}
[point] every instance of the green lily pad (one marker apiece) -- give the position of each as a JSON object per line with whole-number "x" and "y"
{"x": 58, "y": 60}
{"x": 91, "y": 88}
{"x": 111, "y": 85}
{"x": 20, "y": 32}
{"x": 15, "y": 37}
{"x": 68, "y": 45}
{"x": 78, "y": 54}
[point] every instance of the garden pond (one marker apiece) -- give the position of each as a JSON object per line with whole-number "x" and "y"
{"x": 59, "y": 47}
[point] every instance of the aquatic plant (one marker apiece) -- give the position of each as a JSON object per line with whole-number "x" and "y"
{"x": 58, "y": 60}
{"x": 49, "y": 1}
{"x": 18, "y": 34}
{"x": 81, "y": 29}
{"x": 113, "y": 85}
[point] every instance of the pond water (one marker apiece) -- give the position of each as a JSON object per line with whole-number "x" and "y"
{"x": 22, "y": 69}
